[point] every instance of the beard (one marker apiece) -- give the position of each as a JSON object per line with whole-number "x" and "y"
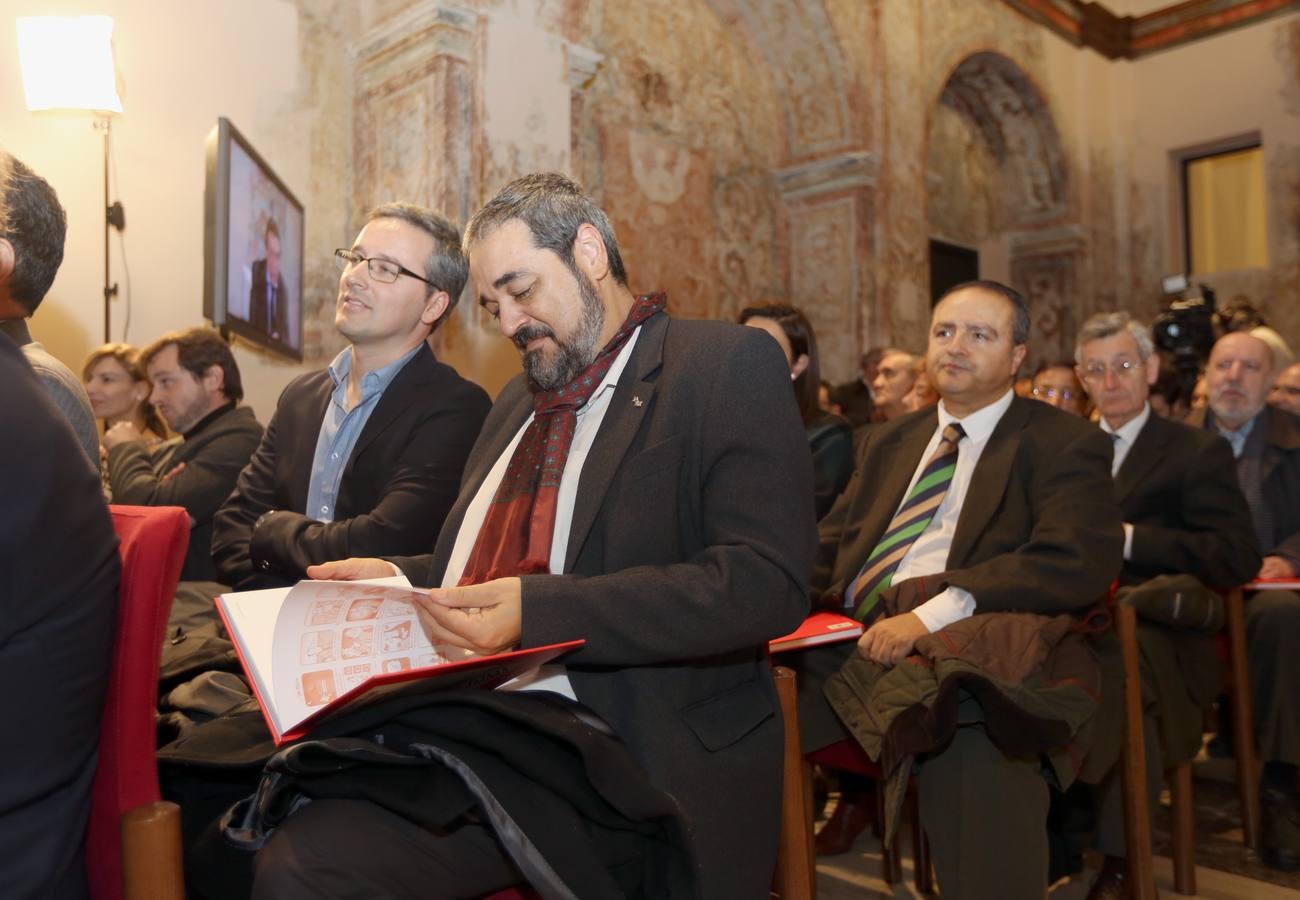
{"x": 556, "y": 368}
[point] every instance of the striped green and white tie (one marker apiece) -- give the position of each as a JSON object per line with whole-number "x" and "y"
{"x": 911, "y": 520}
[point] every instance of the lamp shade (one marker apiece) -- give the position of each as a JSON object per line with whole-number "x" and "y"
{"x": 67, "y": 63}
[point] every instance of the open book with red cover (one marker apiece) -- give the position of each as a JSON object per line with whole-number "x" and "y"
{"x": 322, "y": 648}
{"x": 822, "y": 627}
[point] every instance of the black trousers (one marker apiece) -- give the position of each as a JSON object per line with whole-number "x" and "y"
{"x": 356, "y": 849}
{"x": 1273, "y": 652}
{"x": 985, "y": 812}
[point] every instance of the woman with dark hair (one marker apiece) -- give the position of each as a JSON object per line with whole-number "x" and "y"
{"x": 830, "y": 437}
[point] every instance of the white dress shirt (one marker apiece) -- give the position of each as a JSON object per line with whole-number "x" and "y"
{"x": 552, "y": 677}
{"x": 929, "y": 552}
{"x": 1123, "y": 438}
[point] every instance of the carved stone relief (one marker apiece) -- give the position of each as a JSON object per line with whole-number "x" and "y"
{"x": 811, "y": 77}
{"x": 997, "y": 98}
{"x": 1048, "y": 283}
{"x": 746, "y": 242}
{"x": 823, "y": 277}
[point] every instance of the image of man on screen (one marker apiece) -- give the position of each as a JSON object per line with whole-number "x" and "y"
{"x": 268, "y": 303}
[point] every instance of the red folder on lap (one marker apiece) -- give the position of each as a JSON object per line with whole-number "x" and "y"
{"x": 819, "y": 628}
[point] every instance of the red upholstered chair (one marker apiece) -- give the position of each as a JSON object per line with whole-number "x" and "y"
{"x": 796, "y": 870}
{"x": 123, "y": 858}
{"x": 848, "y": 756}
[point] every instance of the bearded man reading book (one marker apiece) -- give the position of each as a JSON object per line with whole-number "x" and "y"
{"x": 622, "y": 492}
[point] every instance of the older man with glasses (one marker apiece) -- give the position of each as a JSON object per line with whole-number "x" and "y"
{"x": 1266, "y": 444}
{"x": 365, "y": 456}
{"x": 1183, "y": 515}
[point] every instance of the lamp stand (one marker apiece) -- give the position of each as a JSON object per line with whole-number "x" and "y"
{"x": 114, "y": 217}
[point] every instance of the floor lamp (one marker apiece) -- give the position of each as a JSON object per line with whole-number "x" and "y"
{"x": 67, "y": 64}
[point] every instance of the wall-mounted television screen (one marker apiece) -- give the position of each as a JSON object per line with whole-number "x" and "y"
{"x": 253, "y": 246}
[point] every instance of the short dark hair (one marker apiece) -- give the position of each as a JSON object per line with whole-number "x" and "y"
{"x": 197, "y": 350}
{"x": 446, "y": 266}
{"x": 553, "y": 207}
{"x": 799, "y": 332}
{"x": 35, "y": 224}
{"x": 1019, "y": 306}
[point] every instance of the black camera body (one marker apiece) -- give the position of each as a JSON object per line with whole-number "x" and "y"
{"x": 1185, "y": 330}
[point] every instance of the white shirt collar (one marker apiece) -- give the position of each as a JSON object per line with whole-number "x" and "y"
{"x": 1129, "y": 431}
{"x": 979, "y": 424}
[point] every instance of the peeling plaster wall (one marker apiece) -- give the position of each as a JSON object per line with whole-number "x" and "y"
{"x": 679, "y": 133}
{"x": 745, "y": 149}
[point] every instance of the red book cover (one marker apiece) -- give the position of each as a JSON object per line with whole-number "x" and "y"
{"x": 323, "y": 648}
{"x": 820, "y": 628}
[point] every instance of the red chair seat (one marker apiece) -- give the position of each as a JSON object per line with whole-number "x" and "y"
{"x": 153, "y": 543}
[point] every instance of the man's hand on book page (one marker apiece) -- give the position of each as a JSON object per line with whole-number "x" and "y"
{"x": 485, "y": 618}
{"x": 357, "y": 568}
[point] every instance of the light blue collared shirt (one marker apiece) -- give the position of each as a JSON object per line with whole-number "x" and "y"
{"x": 1238, "y": 438}
{"x": 341, "y": 427}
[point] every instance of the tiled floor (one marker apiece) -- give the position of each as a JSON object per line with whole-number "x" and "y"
{"x": 857, "y": 876}
{"x": 1238, "y": 874}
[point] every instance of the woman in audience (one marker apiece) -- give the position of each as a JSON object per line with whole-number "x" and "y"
{"x": 119, "y": 391}
{"x": 1056, "y": 384}
{"x": 830, "y": 437}
{"x": 923, "y": 393}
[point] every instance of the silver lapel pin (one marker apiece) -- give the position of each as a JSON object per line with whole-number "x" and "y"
{"x": 636, "y": 400}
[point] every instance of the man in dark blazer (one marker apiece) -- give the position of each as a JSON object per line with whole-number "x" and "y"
{"x": 363, "y": 457}
{"x": 1184, "y": 513}
{"x": 268, "y": 302}
{"x": 1027, "y": 524}
{"x": 683, "y": 538}
{"x": 854, "y": 397}
{"x": 196, "y": 389}
{"x": 1266, "y": 443}
{"x": 58, "y": 597}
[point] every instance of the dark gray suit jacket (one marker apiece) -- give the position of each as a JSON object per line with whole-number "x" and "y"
{"x": 58, "y": 598}
{"x": 1039, "y": 529}
{"x": 213, "y": 459}
{"x": 1279, "y": 475}
{"x": 690, "y": 548}
{"x": 1178, "y": 488}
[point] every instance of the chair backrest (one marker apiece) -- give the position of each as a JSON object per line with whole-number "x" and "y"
{"x": 153, "y": 541}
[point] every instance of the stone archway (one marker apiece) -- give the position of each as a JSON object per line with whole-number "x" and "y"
{"x": 999, "y": 182}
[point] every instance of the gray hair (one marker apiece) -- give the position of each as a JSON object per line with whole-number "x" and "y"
{"x": 1278, "y": 348}
{"x": 553, "y": 207}
{"x": 1108, "y": 324}
{"x": 446, "y": 266}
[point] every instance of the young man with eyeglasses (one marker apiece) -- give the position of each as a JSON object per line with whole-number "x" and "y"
{"x": 1183, "y": 515}
{"x": 365, "y": 456}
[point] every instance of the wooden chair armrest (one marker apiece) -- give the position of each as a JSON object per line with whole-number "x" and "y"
{"x": 151, "y": 852}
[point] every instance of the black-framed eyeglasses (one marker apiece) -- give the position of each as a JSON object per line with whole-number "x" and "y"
{"x": 382, "y": 270}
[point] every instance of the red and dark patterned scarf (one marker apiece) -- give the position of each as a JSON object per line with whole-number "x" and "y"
{"x": 515, "y": 538}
